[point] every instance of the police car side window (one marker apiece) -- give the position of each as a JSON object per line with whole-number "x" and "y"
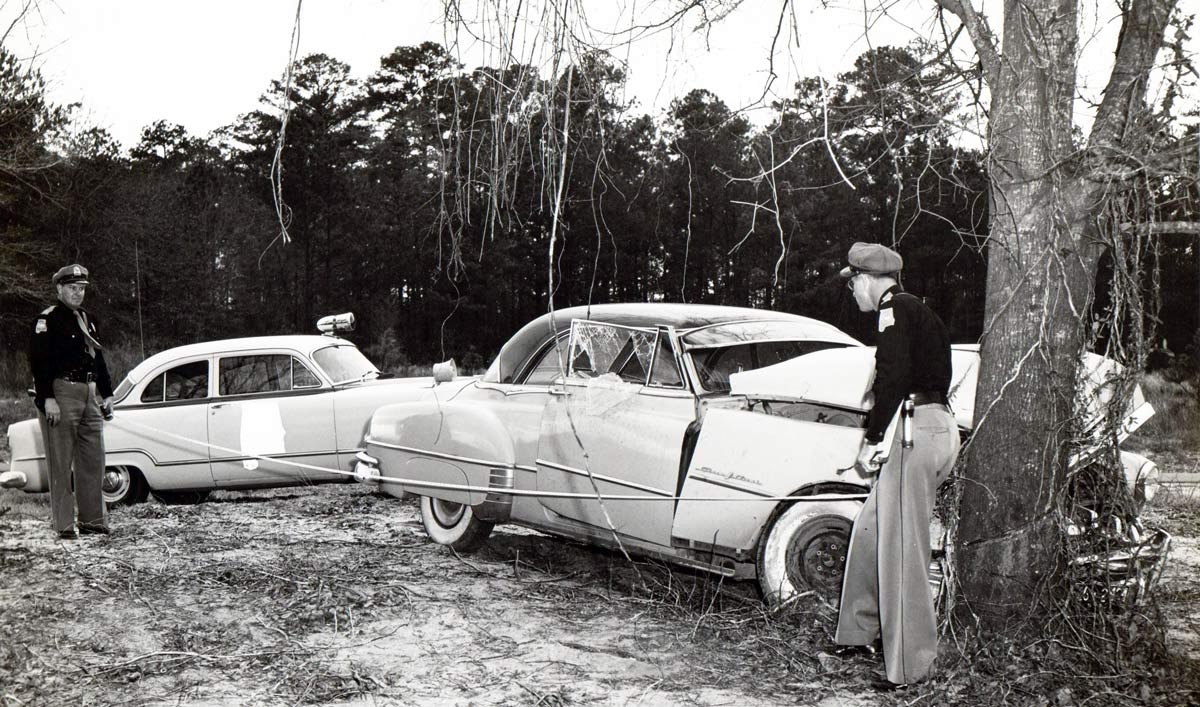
{"x": 242, "y": 375}
{"x": 302, "y": 377}
{"x": 154, "y": 390}
{"x": 187, "y": 382}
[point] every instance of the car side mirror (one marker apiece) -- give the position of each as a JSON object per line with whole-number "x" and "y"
{"x": 444, "y": 372}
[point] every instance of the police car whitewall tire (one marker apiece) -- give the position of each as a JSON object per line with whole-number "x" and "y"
{"x": 123, "y": 486}
{"x": 453, "y": 524}
{"x": 805, "y": 550}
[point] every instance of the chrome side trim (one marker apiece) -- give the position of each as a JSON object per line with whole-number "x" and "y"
{"x": 606, "y": 479}
{"x": 442, "y": 455}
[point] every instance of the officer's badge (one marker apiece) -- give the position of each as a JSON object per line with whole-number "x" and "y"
{"x": 887, "y": 317}
{"x": 40, "y": 327}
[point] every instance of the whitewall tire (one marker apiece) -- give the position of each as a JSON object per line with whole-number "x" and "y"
{"x": 453, "y": 524}
{"x": 123, "y": 486}
{"x": 805, "y": 550}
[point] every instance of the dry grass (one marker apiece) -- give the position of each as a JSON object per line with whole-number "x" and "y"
{"x": 1175, "y": 426}
{"x": 267, "y": 594}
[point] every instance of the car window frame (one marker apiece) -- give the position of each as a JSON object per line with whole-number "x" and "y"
{"x": 661, "y": 335}
{"x": 293, "y": 354}
{"x": 546, "y": 348}
{"x": 134, "y": 396}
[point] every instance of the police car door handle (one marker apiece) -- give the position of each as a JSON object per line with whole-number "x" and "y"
{"x": 214, "y": 406}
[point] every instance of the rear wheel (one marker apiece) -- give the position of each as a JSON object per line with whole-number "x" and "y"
{"x": 805, "y": 550}
{"x": 180, "y": 498}
{"x": 453, "y": 524}
{"x": 123, "y": 486}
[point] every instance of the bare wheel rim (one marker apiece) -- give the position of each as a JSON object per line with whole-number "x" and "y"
{"x": 816, "y": 556}
{"x": 116, "y": 482}
{"x": 447, "y": 513}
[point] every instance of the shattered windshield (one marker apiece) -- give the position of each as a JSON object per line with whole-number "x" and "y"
{"x": 722, "y": 350}
{"x": 733, "y": 333}
{"x": 598, "y": 349}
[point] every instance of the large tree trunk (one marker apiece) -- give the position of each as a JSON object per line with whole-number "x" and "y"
{"x": 1041, "y": 269}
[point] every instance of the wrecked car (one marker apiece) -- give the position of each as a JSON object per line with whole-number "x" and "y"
{"x": 719, "y": 438}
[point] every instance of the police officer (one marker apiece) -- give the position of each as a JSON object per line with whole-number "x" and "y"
{"x": 69, "y": 373}
{"x": 885, "y": 591}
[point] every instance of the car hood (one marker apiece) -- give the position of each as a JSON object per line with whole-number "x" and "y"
{"x": 843, "y": 377}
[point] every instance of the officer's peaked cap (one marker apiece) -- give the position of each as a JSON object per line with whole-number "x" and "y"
{"x": 872, "y": 258}
{"x": 70, "y": 273}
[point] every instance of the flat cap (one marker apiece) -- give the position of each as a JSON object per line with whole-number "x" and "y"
{"x": 871, "y": 258}
{"x": 69, "y": 274}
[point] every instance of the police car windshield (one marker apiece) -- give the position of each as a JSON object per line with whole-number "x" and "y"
{"x": 344, "y": 364}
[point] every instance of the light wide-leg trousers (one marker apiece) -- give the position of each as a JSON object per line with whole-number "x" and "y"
{"x": 885, "y": 591}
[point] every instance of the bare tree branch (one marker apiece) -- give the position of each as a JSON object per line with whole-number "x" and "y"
{"x": 1141, "y": 38}
{"x": 981, "y": 36}
{"x": 1163, "y": 228}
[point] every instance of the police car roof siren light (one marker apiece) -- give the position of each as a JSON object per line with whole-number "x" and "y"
{"x": 335, "y": 324}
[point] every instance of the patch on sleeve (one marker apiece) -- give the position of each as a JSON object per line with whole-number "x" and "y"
{"x": 887, "y": 317}
{"x": 40, "y": 327}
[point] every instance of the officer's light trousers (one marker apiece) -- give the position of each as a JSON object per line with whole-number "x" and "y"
{"x": 885, "y": 592}
{"x": 75, "y": 457}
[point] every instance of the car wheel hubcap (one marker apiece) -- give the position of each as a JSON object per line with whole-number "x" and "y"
{"x": 446, "y": 513}
{"x": 116, "y": 482}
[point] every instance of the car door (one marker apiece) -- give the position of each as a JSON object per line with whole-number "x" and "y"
{"x": 270, "y": 406}
{"x": 165, "y": 421}
{"x": 617, "y": 428}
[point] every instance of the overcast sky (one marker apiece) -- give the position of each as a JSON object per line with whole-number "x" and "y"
{"x": 202, "y": 63}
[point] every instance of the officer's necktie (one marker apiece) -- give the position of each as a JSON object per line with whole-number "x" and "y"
{"x": 92, "y": 345}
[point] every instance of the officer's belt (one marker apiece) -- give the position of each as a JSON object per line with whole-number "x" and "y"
{"x": 77, "y": 376}
{"x": 929, "y": 397}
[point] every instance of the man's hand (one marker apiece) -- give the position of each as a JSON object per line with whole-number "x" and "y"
{"x": 52, "y": 412}
{"x": 106, "y": 408}
{"x": 870, "y": 458}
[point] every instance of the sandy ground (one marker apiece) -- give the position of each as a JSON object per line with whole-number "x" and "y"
{"x": 333, "y": 595}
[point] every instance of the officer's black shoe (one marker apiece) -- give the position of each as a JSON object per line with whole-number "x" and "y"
{"x": 67, "y": 535}
{"x": 845, "y": 651}
{"x": 94, "y": 530}
{"x": 885, "y": 685}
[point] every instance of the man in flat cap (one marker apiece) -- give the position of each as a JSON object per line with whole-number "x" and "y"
{"x": 885, "y": 592}
{"x": 69, "y": 376}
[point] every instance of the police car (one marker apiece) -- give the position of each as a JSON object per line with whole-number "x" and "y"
{"x": 255, "y": 412}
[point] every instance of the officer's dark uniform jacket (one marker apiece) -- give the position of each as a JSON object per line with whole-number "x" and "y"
{"x": 912, "y": 356}
{"x": 57, "y": 349}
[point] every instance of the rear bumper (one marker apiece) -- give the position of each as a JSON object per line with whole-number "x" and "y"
{"x": 29, "y": 475}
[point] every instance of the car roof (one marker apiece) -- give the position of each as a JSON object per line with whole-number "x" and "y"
{"x": 682, "y": 316}
{"x": 300, "y": 343}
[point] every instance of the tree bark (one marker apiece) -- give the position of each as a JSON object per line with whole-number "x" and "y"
{"x": 1043, "y": 254}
